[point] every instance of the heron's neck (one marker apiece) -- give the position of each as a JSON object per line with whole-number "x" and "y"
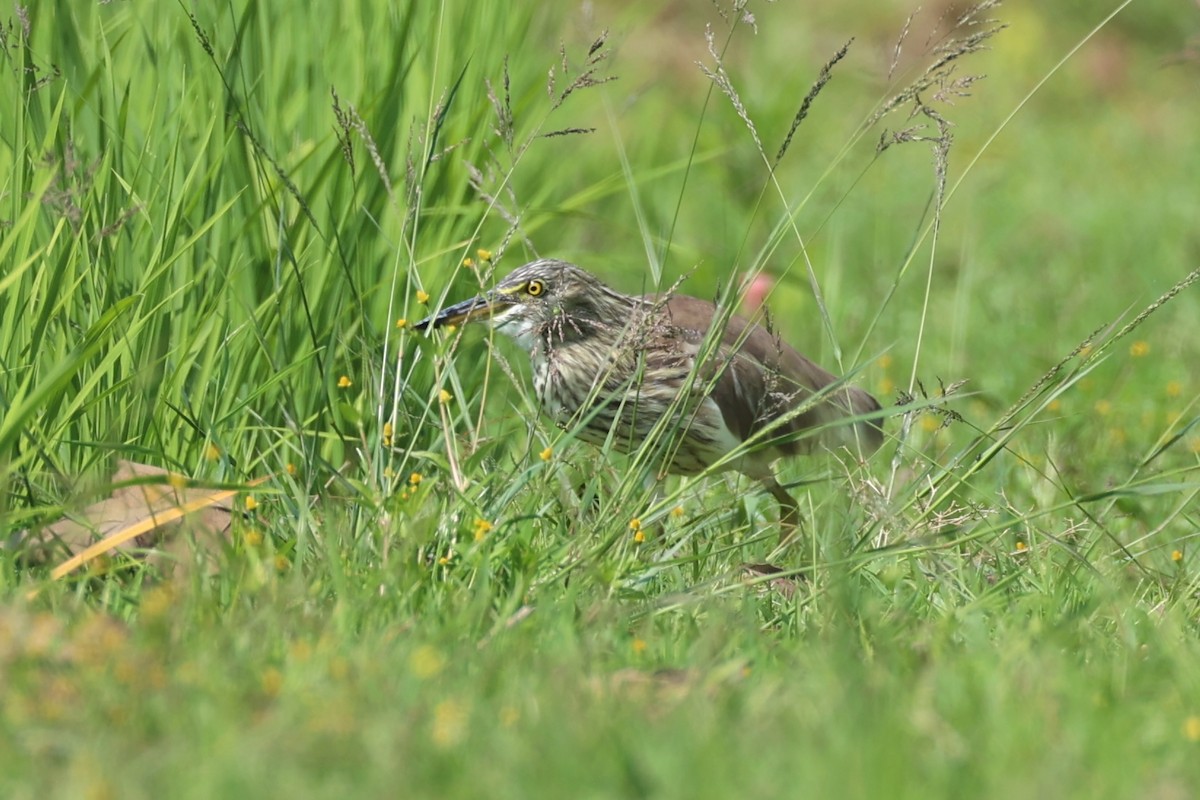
{"x": 603, "y": 323}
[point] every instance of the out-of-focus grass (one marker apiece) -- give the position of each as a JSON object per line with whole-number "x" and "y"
{"x": 211, "y": 226}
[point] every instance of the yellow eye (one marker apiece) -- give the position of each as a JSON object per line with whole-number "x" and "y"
{"x": 535, "y": 288}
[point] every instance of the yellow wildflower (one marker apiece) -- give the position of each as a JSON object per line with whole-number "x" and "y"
{"x": 546, "y": 454}
{"x": 344, "y": 382}
{"x": 426, "y": 661}
{"x": 482, "y": 527}
{"x": 402, "y": 323}
{"x": 272, "y": 681}
{"x": 1139, "y": 348}
{"x": 449, "y": 723}
{"x": 212, "y": 452}
{"x": 484, "y": 255}
{"x": 422, "y": 296}
{"x": 1177, "y": 556}
{"x": 251, "y": 503}
{"x": 444, "y": 397}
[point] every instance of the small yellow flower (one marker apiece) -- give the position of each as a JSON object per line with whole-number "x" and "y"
{"x": 444, "y": 561}
{"x": 415, "y": 479}
{"x": 484, "y": 255}
{"x": 638, "y": 645}
{"x": 639, "y": 536}
{"x": 444, "y": 397}
{"x": 1103, "y": 407}
{"x": 677, "y": 511}
{"x": 422, "y": 296}
{"x": 450, "y": 329}
{"x": 176, "y": 481}
{"x": 426, "y": 661}
{"x": 1139, "y": 348}
{"x": 1054, "y": 405}
{"x": 635, "y": 524}
{"x": 389, "y": 473}
{"x": 884, "y": 361}
{"x": 449, "y": 723}
{"x": 157, "y": 602}
{"x": 344, "y": 382}
{"x": 251, "y": 503}
{"x": 252, "y": 538}
{"x": 300, "y": 650}
{"x": 1177, "y": 556}
{"x": 468, "y": 263}
{"x": 272, "y": 681}
{"x": 339, "y": 668}
{"x": 1191, "y": 728}
{"x": 291, "y": 469}
{"x": 546, "y": 454}
{"x": 482, "y": 527}
{"x": 1022, "y": 547}
{"x": 1174, "y": 388}
{"x": 387, "y": 433}
{"x": 212, "y": 452}
{"x": 282, "y": 563}
{"x": 401, "y": 323}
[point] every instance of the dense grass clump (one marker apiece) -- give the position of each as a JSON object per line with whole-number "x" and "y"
{"x": 217, "y": 226}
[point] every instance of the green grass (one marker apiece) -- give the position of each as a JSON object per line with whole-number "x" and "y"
{"x": 1003, "y": 602}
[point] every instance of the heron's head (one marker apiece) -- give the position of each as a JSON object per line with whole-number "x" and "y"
{"x": 536, "y": 295}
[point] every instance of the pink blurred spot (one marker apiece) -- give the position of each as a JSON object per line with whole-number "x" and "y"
{"x": 757, "y": 292}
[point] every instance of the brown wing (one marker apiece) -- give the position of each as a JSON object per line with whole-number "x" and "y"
{"x": 766, "y": 377}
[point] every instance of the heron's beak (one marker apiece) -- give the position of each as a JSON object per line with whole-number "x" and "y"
{"x": 482, "y": 307}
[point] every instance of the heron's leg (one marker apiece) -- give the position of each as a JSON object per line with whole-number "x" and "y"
{"x": 789, "y": 511}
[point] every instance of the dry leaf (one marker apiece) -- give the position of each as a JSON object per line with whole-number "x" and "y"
{"x": 146, "y": 508}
